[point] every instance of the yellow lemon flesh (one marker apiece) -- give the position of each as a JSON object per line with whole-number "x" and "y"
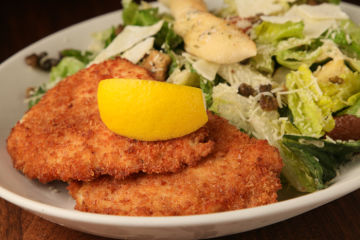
{"x": 150, "y": 110}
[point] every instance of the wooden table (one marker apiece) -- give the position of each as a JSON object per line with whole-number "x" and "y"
{"x": 24, "y": 22}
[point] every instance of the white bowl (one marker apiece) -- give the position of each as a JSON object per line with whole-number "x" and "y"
{"x": 53, "y": 203}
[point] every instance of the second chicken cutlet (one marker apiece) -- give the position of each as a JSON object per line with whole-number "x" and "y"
{"x": 241, "y": 172}
{"x": 63, "y": 137}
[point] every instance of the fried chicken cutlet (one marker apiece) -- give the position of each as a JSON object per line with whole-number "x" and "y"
{"x": 241, "y": 172}
{"x": 63, "y": 137}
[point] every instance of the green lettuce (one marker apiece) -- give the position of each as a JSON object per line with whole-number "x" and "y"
{"x": 347, "y": 37}
{"x": 293, "y": 58}
{"x": 36, "y": 95}
{"x": 229, "y": 9}
{"x": 320, "y": 159}
{"x": 167, "y": 39}
{"x": 263, "y": 61}
{"x": 67, "y": 66}
{"x": 207, "y": 88}
{"x": 293, "y": 53}
{"x": 268, "y": 37}
{"x": 353, "y": 64}
{"x": 84, "y": 57}
{"x": 338, "y": 83}
{"x": 341, "y": 92}
{"x": 309, "y": 107}
{"x": 297, "y": 172}
{"x": 354, "y": 109}
{"x": 108, "y": 39}
{"x": 133, "y": 15}
{"x": 271, "y": 33}
{"x": 184, "y": 77}
{"x": 101, "y": 40}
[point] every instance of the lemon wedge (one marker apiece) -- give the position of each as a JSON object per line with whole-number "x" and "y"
{"x": 150, "y": 110}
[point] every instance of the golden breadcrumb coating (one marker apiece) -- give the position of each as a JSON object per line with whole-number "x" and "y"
{"x": 241, "y": 172}
{"x": 63, "y": 137}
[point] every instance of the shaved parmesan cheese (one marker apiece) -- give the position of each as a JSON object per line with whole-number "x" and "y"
{"x": 317, "y": 19}
{"x": 136, "y": 53}
{"x": 206, "y": 69}
{"x": 162, "y": 7}
{"x": 281, "y": 19}
{"x": 236, "y": 74}
{"x": 214, "y": 6}
{"x": 246, "y": 114}
{"x": 130, "y": 36}
{"x": 331, "y": 50}
{"x": 234, "y": 108}
{"x": 323, "y": 11}
{"x": 250, "y": 8}
{"x": 314, "y": 28}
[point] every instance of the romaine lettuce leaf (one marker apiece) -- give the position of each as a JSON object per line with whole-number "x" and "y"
{"x": 207, "y": 88}
{"x": 309, "y": 107}
{"x": 263, "y": 61}
{"x": 271, "y": 33}
{"x": 354, "y": 109}
{"x": 175, "y": 62}
{"x": 133, "y": 15}
{"x": 184, "y": 77}
{"x": 293, "y": 53}
{"x": 167, "y": 39}
{"x": 84, "y": 57}
{"x": 102, "y": 39}
{"x": 294, "y": 58}
{"x": 290, "y": 53}
{"x": 338, "y": 83}
{"x": 229, "y": 9}
{"x": 246, "y": 114}
{"x": 108, "y": 39}
{"x": 297, "y": 171}
{"x": 347, "y": 37}
{"x": 66, "y": 67}
{"x": 36, "y": 95}
{"x": 236, "y": 74}
{"x": 321, "y": 157}
{"x": 353, "y": 64}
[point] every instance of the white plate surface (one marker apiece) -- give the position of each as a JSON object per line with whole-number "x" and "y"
{"x": 53, "y": 203}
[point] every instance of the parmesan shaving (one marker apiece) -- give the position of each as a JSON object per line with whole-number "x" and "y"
{"x": 130, "y": 36}
{"x": 317, "y": 19}
{"x": 136, "y": 53}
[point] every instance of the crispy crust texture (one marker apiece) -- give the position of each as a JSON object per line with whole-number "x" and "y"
{"x": 240, "y": 173}
{"x": 63, "y": 137}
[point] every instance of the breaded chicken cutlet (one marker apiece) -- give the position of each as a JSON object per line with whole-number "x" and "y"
{"x": 63, "y": 137}
{"x": 241, "y": 172}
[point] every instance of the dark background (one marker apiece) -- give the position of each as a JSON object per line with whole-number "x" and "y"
{"x": 24, "y": 22}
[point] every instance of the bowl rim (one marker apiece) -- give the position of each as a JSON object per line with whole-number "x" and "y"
{"x": 310, "y": 201}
